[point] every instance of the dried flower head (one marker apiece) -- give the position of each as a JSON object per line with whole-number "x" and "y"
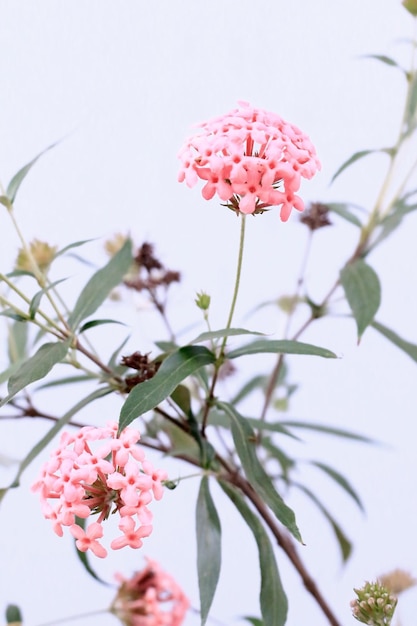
{"x": 150, "y": 598}
{"x": 374, "y": 605}
{"x": 316, "y": 216}
{"x": 252, "y": 159}
{"x": 42, "y": 254}
{"x": 397, "y": 581}
{"x": 98, "y": 471}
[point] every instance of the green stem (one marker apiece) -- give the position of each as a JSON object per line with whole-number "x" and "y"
{"x": 75, "y": 617}
{"x": 237, "y": 280}
{"x": 228, "y": 324}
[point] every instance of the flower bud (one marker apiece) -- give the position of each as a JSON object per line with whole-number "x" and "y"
{"x": 203, "y": 301}
{"x": 374, "y": 604}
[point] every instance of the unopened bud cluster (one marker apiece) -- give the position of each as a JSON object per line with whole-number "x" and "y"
{"x": 374, "y": 605}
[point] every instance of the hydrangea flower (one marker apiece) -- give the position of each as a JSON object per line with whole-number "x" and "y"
{"x": 150, "y": 598}
{"x": 97, "y": 471}
{"x": 252, "y": 159}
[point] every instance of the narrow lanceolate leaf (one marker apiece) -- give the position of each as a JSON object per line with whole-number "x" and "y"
{"x": 340, "y": 480}
{"x": 224, "y": 332}
{"x": 101, "y": 284}
{"x": 280, "y": 346}
{"x": 174, "y": 369}
{"x": 343, "y": 210}
{"x": 328, "y": 430}
{"x": 46, "y": 439}
{"x": 18, "y": 178}
{"x": 274, "y": 604}
{"x": 245, "y": 443}
{"x": 406, "y": 346}
{"x": 355, "y": 157}
{"x": 208, "y": 548}
{"x": 363, "y": 292}
{"x": 344, "y": 543}
{"x": 385, "y": 59}
{"x": 35, "y": 368}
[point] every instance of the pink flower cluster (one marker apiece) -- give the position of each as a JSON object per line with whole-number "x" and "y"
{"x": 252, "y": 159}
{"x": 97, "y": 471}
{"x": 150, "y": 598}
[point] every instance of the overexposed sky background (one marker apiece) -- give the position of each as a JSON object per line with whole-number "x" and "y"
{"x": 123, "y": 82}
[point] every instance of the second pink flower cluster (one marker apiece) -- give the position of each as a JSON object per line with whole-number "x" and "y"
{"x": 97, "y": 471}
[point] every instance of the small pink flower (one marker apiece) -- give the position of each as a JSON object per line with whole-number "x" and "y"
{"x": 88, "y": 540}
{"x": 252, "y": 159}
{"x": 150, "y": 598}
{"x": 95, "y": 471}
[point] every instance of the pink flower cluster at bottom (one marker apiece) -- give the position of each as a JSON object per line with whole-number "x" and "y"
{"x": 150, "y": 598}
{"x": 98, "y": 471}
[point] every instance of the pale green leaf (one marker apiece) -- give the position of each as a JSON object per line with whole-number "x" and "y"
{"x": 224, "y": 332}
{"x": 174, "y": 369}
{"x": 355, "y": 157}
{"x": 280, "y": 346}
{"x": 35, "y": 368}
{"x": 340, "y": 480}
{"x": 385, "y": 59}
{"x": 208, "y": 548}
{"x": 101, "y": 284}
{"x": 345, "y": 544}
{"x": 363, "y": 292}
{"x": 18, "y": 178}
{"x": 245, "y": 443}
{"x": 406, "y": 346}
{"x": 273, "y": 601}
{"x": 327, "y": 430}
{"x": 342, "y": 209}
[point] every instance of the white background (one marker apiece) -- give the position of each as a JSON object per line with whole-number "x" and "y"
{"x": 123, "y": 82}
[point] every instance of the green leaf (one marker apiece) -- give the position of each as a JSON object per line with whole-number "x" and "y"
{"x": 253, "y": 620}
{"x": 363, "y": 292}
{"x": 17, "y": 180}
{"x": 224, "y": 332}
{"x": 407, "y": 347}
{"x": 257, "y": 382}
{"x": 342, "y": 209}
{"x": 328, "y": 430}
{"x": 280, "y": 346}
{"x": 355, "y": 157}
{"x": 344, "y": 543}
{"x": 208, "y": 548}
{"x": 35, "y": 368}
{"x": 101, "y": 284}
{"x": 13, "y": 614}
{"x": 275, "y": 427}
{"x": 70, "y": 246}
{"x": 385, "y": 59}
{"x": 273, "y": 601}
{"x": 36, "y": 300}
{"x": 340, "y": 480}
{"x": 94, "y": 323}
{"x": 46, "y": 439}
{"x": 17, "y": 342}
{"x": 68, "y": 380}
{"x": 174, "y": 369}
{"x": 392, "y": 221}
{"x": 245, "y": 443}
{"x": 84, "y": 558}
{"x": 4, "y": 200}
